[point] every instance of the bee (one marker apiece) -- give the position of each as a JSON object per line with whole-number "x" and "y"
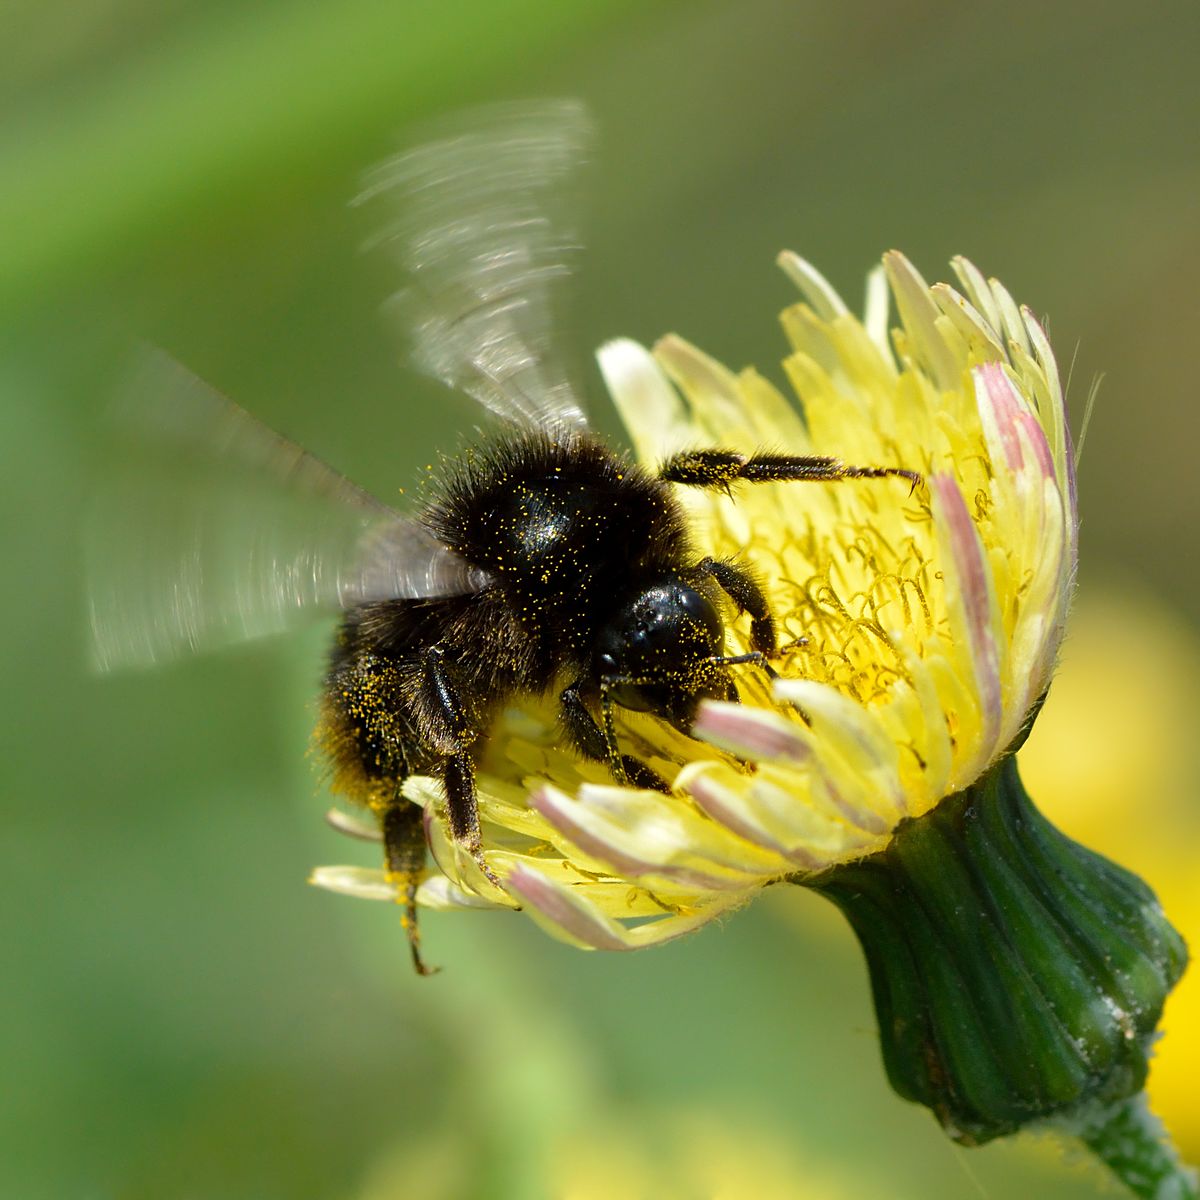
{"x": 542, "y": 562}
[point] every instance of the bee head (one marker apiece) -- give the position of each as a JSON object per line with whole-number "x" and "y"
{"x": 660, "y": 651}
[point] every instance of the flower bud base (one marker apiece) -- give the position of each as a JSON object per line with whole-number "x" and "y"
{"x": 1017, "y": 976}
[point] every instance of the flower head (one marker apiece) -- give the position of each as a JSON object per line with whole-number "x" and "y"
{"x": 1018, "y": 978}
{"x": 919, "y": 628}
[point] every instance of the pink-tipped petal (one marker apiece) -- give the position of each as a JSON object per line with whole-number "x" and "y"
{"x": 726, "y": 806}
{"x": 1034, "y": 438}
{"x": 603, "y": 838}
{"x": 573, "y": 918}
{"x": 751, "y": 732}
{"x": 974, "y": 605}
{"x": 570, "y": 917}
{"x": 743, "y": 814}
{"x": 1000, "y": 408}
{"x": 1054, "y": 409}
{"x": 1009, "y": 423}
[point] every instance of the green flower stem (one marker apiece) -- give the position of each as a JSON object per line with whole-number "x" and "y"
{"x": 1018, "y": 977}
{"x": 1132, "y": 1143}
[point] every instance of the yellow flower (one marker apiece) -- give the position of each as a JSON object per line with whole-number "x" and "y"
{"x": 921, "y": 627}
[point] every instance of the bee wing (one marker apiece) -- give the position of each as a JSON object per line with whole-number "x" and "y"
{"x": 479, "y": 223}
{"x": 214, "y": 529}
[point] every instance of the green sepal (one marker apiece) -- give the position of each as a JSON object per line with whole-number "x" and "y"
{"x": 1017, "y": 975}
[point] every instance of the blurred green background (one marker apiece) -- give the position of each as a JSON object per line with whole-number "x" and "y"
{"x": 182, "y": 1017}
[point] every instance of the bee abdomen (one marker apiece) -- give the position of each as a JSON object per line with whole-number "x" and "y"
{"x": 367, "y": 730}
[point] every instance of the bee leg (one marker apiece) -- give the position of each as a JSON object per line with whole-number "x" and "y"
{"x": 404, "y": 847}
{"x": 364, "y": 732}
{"x": 458, "y": 771}
{"x": 593, "y": 742}
{"x": 743, "y": 589}
{"x": 720, "y": 469}
{"x": 462, "y": 804}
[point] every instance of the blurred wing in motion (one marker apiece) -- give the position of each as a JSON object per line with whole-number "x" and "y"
{"x": 212, "y": 529}
{"x": 480, "y": 224}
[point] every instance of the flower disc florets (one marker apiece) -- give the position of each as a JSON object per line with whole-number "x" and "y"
{"x": 918, "y": 628}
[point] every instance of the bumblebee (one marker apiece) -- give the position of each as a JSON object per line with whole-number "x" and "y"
{"x": 542, "y": 561}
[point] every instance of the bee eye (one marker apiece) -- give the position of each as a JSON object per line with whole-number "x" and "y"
{"x": 608, "y": 664}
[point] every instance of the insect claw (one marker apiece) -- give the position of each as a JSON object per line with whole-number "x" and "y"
{"x": 414, "y": 947}
{"x": 406, "y": 883}
{"x": 488, "y": 873}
